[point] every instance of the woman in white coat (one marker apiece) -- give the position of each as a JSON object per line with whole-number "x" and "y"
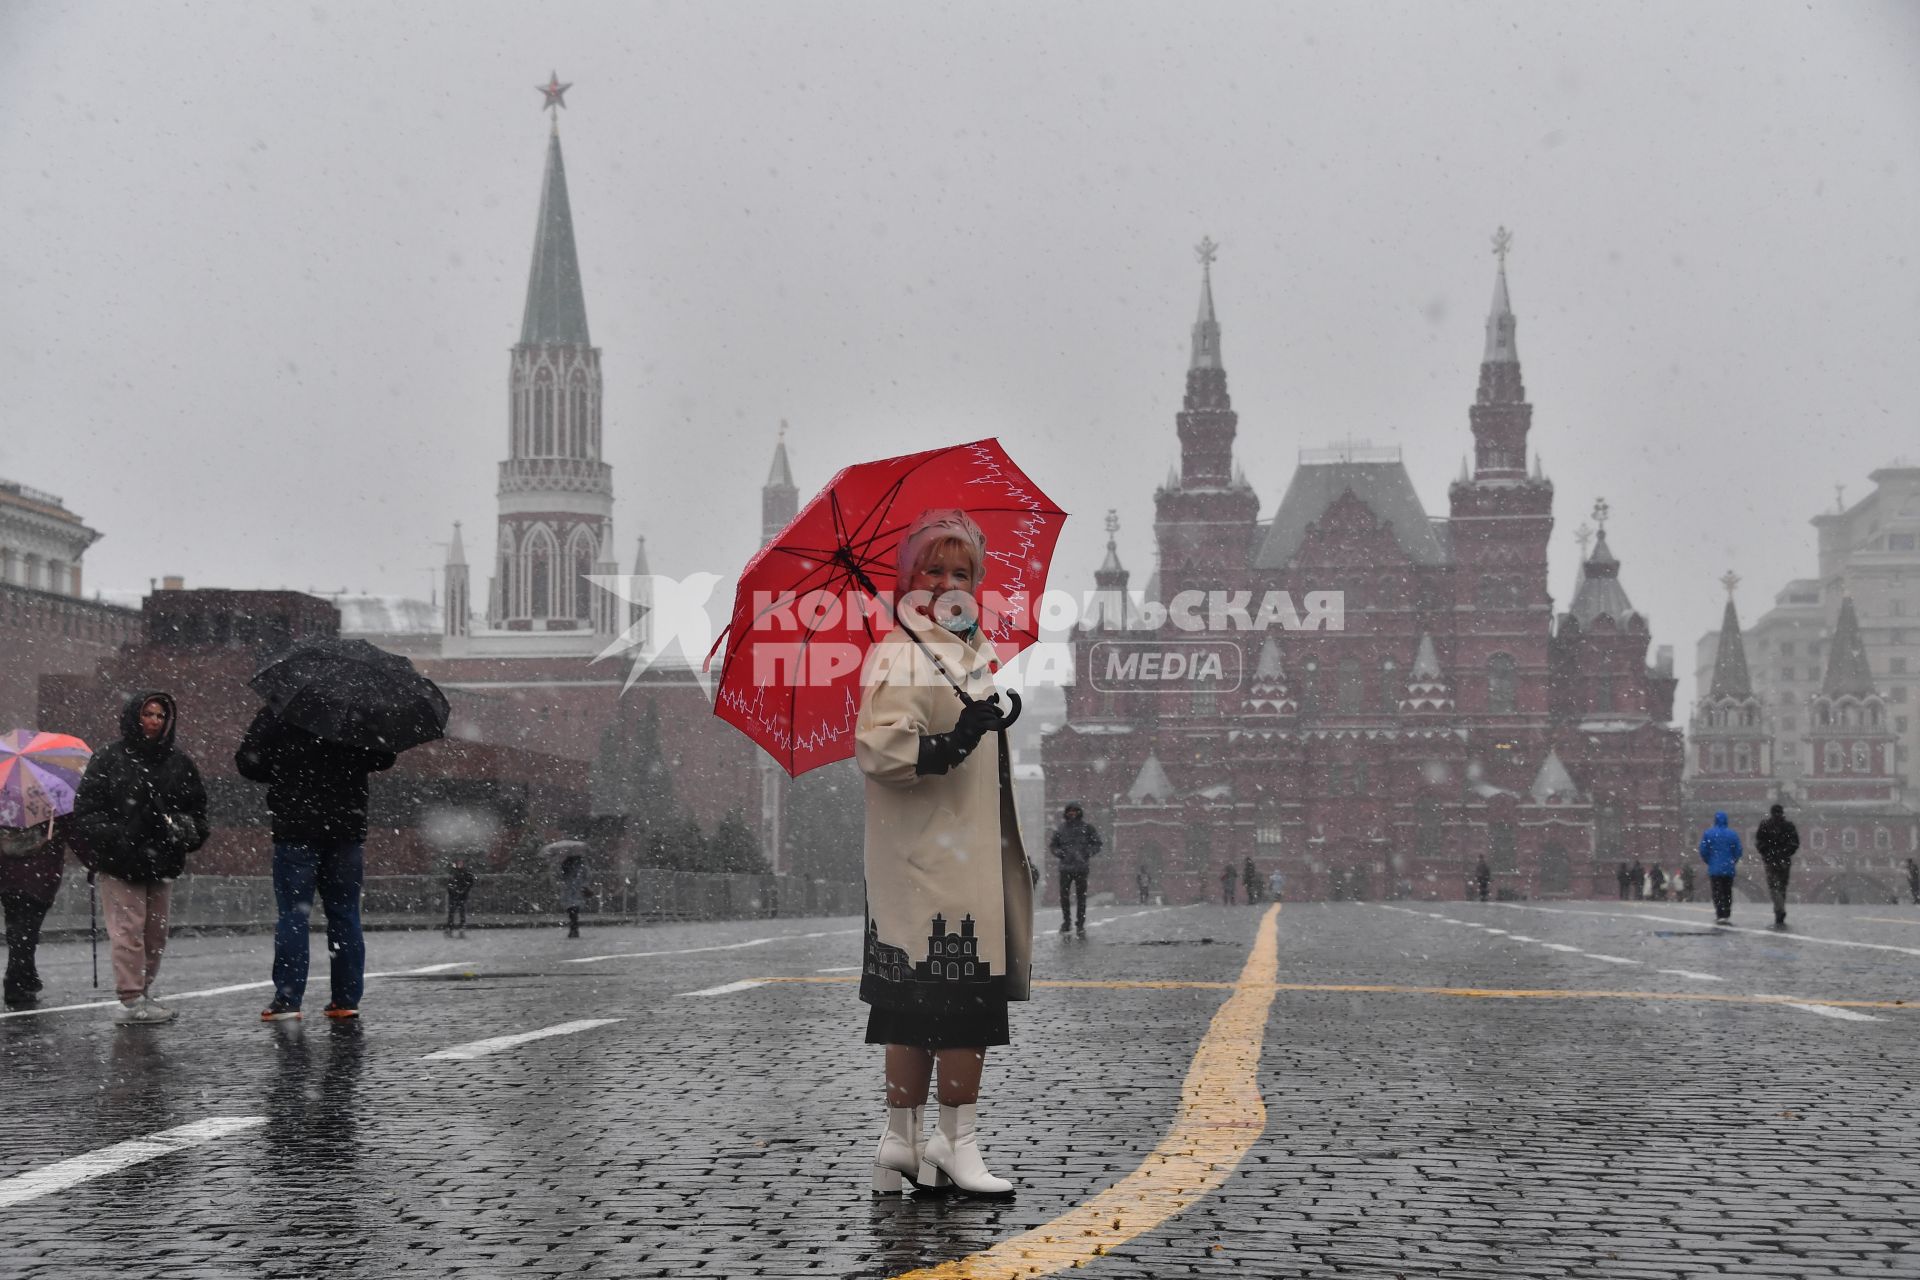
{"x": 949, "y": 895}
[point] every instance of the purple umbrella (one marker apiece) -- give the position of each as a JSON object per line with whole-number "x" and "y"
{"x": 39, "y": 773}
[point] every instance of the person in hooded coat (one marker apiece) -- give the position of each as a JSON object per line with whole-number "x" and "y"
{"x": 31, "y": 862}
{"x": 1778, "y": 840}
{"x": 1720, "y": 850}
{"x": 949, "y": 931}
{"x": 317, "y": 794}
{"x": 1074, "y": 844}
{"x": 139, "y": 811}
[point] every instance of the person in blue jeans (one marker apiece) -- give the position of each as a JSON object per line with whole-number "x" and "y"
{"x": 1720, "y": 850}
{"x": 317, "y": 794}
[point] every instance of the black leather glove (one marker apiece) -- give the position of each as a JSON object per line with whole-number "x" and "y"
{"x": 940, "y": 752}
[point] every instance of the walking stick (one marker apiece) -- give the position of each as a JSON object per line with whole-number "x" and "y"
{"x": 93, "y": 936}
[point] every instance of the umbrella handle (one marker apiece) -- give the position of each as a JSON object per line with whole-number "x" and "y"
{"x": 1006, "y": 721}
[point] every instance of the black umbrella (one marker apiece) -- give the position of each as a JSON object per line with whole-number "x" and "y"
{"x": 350, "y": 692}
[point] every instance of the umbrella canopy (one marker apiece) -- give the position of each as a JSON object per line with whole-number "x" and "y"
{"x": 558, "y": 851}
{"x": 39, "y": 773}
{"x": 816, "y": 598}
{"x": 352, "y": 693}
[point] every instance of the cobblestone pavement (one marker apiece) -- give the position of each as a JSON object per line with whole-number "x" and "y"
{"x": 1450, "y": 1089}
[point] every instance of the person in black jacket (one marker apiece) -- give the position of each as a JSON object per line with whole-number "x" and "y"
{"x": 31, "y": 862}
{"x": 1777, "y": 840}
{"x": 459, "y": 885}
{"x": 317, "y": 794}
{"x": 1074, "y": 844}
{"x": 139, "y": 811}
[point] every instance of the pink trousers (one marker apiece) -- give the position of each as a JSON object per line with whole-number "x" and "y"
{"x": 137, "y": 927}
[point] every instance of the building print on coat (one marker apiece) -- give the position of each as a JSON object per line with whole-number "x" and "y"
{"x": 951, "y": 957}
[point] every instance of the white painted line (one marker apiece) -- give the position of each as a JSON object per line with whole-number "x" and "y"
{"x": 1790, "y": 936}
{"x": 1521, "y": 937}
{"x": 1690, "y": 973}
{"x": 727, "y": 989}
{"x": 481, "y": 1048}
{"x": 840, "y": 968}
{"x": 1595, "y": 955}
{"x": 1561, "y": 946}
{"x": 725, "y": 946}
{"x": 121, "y": 1155}
{"x": 207, "y": 992}
{"x": 1824, "y": 1010}
{"x": 1490, "y": 929}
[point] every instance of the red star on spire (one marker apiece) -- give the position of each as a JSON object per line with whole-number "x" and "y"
{"x": 555, "y": 91}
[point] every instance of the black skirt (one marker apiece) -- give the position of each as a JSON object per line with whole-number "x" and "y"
{"x": 979, "y": 1026}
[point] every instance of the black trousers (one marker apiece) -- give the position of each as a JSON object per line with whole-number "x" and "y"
{"x": 1722, "y": 896}
{"x": 1777, "y": 873}
{"x": 456, "y": 904}
{"x": 23, "y": 917}
{"x": 1076, "y": 883}
{"x": 573, "y": 922}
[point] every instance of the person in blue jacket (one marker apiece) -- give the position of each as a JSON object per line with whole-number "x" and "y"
{"x": 1720, "y": 850}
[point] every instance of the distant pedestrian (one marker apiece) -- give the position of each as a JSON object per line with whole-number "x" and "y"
{"x": 1656, "y": 884}
{"x": 1625, "y": 878}
{"x": 30, "y": 865}
{"x": 1637, "y": 880}
{"x": 459, "y": 884}
{"x": 1250, "y": 877}
{"x": 1777, "y": 840}
{"x": 317, "y": 796}
{"x": 1275, "y": 881}
{"x": 1144, "y": 883}
{"x": 1482, "y": 879}
{"x": 140, "y": 810}
{"x": 1913, "y": 880}
{"x": 1720, "y": 850}
{"x": 1227, "y": 878}
{"x": 1073, "y": 845}
{"x": 1686, "y": 882}
{"x": 573, "y": 890}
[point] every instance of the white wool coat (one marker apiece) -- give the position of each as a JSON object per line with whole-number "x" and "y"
{"x": 949, "y": 893}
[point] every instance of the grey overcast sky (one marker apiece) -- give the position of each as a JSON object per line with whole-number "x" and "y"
{"x": 262, "y": 263}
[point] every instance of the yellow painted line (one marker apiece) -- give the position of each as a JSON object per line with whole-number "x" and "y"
{"x": 1221, "y": 1116}
{"x": 1468, "y": 993}
{"x": 1887, "y": 920}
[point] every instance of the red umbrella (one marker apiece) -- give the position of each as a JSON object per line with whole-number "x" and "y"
{"x": 816, "y": 598}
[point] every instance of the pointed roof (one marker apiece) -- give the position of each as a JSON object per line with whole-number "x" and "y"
{"x": 1552, "y": 779}
{"x": 780, "y": 475}
{"x": 1848, "y": 673}
{"x": 1206, "y": 327}
{"x": 1599, "y": 591}
{"x": 556, "y": 312}
{"x": 456, "y": 550}
{"x": 1385, "y": 488}
{"x": 1502, "y": 347}
{"x": 640, "y": 557}
{"x": 1269, "y": 670}
{"x": 1426, "y": 662}
{"x": 1730, "y": 679}
{"x": 1151, "y": 784}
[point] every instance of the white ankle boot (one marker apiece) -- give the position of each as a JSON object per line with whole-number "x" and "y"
{"x": 953, "y": 1156}
{"x": 899, "y": 1153}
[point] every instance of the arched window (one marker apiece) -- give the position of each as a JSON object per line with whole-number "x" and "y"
{"x": 1500, "y": 696}
{"x": 1862, "y": 762}
{"x": 508, "y": 602}
{"x": 1608, "y": 828}
{"x": 1310, "y": 688}
{"x": 577, "y": 417}
{"x": 1556, "y": 871}
{"x": 1716, "y": 757}
{"x": 543, "y": 557}
{"x": 1849, "y": 839}
{"x": 1834, "y": 758}
{"x": 543, "y": 414}
{"x": 1500, "y": 854}
{"x": 1428, "y": 833}
{"x": 580, "y": 560}
{"x": 1352, "y": 690}
{"x": 1390, "y": 687}
{"x": 1882, "y": 838}
{"x": 1743, "y": 757}
{"x": 1819, "y": 838}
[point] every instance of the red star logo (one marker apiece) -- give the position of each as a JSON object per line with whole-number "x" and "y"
{"x": 555, "y": 91}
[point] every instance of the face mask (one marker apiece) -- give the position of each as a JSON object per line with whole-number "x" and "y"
{"x": 959, "y": 625}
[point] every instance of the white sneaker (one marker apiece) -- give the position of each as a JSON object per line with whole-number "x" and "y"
{"x": 157, "y": 1012}
{"x": 131, "y": 1013}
